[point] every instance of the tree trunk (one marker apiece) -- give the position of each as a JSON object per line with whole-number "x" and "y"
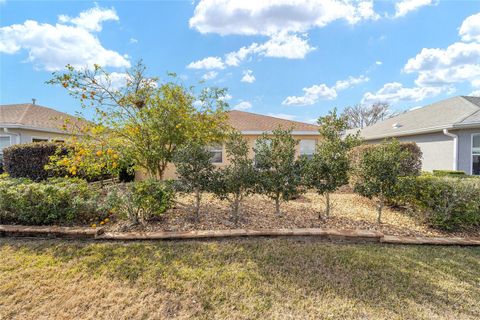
{"x": 197, "y": 205}
{"x": 380, "y": 207}
{"x": 277, "y": 206}
{"x": 235, "y": 209}
{"x": 327, "y": 205}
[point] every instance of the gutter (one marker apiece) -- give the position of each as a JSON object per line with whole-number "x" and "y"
{"x": 13, "y": 134}
{"x": 455, "y": 147}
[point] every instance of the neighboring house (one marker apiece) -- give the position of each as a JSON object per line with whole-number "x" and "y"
{"x": 447, "y": 132}
{"x": 252, "y": 126}
{"x": 26, "y": 123}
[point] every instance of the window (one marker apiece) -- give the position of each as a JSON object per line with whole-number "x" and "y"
{"x": 39, "y": 139}
{"x": 217, "y": 153}
{"x": 476, "y": 154}
{"x": 5, "y": 141}
{"x": 307, "y": 148}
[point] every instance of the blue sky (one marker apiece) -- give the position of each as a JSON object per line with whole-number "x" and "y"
{"x": 288, "y": 58}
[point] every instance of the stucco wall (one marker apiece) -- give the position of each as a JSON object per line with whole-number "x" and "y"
{"x": 465, "y": 149}
{"x": 170, "y": 172}
{"x": 437, "y": 150}
{"x": 25, "y": 136}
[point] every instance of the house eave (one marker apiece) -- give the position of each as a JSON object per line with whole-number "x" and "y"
{"x": 42, "y": 129}
{"x": 294, "y": 132}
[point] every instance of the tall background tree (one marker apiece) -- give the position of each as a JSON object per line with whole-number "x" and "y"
{"x": 361, "y": 116}
{"x": 148, "y": 119}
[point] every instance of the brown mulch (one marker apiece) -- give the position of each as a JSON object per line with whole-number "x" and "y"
{"x": 350, "y": 211}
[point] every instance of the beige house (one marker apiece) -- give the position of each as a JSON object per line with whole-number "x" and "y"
{"x": 252, "y": 126}
{"x": 26, "y": 123}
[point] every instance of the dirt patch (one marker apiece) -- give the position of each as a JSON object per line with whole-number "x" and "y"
{"x": 350, "y": 211}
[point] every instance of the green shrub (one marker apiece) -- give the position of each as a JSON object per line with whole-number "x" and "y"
{"x": 447, "y": 203}
{"x": 54, "y": 201}
{"x": 29, "y": 160}
{"x": 451, "y": 173}
{"x": 141, "y": 200}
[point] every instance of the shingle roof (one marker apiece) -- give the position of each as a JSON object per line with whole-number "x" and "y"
{"x": 246, "y": 121}
{"x": 33, "y": 116}
{"x": 446, "y": 114}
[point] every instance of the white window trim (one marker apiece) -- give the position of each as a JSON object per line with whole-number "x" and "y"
{"x": 300, "y": 147}
{"x": 471, "y": 152}
{"x": 10, "y": 142}
{"x": 220, "y": 149}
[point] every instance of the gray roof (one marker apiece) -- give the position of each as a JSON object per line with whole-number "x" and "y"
{"x": 453, "y": 113}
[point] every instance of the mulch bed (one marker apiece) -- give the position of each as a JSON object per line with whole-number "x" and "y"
{"x": 350, "y": 211}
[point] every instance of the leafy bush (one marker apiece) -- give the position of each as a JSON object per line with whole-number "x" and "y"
{"x": 378, "y": 170}
{"x": 237, "y": 180}
{"x": 447, "y": 203}
{"x": 29, "y": 160}
{"x": 278, "y": 172}
{"x": 452, "y": 173}
{"x": 141, "y": 200}
{"x": 195, "y": 171}
{"x": 54, "y": 201}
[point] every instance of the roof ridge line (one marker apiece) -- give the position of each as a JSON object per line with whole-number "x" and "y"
{"x": 25, "y": 112}
{"x": 470, "y": 114}
{"x": 264, "y": 115}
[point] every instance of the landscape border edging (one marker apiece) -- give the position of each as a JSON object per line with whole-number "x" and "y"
{"x": 347, "y": 235}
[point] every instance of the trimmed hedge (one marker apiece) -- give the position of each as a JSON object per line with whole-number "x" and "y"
{"x": 53, "y": 201}
{"x": 29, "y": 160}
{"x": 446, "y": 202}
{"x": 451, "y": 173}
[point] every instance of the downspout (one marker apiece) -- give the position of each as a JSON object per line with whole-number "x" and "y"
{"x": 455, "y": 147}
{"x": 13, "y": 134}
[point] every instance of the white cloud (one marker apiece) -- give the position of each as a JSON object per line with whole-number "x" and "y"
{"x": 394, "y": 92}
{"x": 207, "y": 63}
{"x": 350, "y": 82}
{"x": 133, "y": 40}
{"x": 470, "y": 28}
{"x": 403, "y": 7}
{"x": 281, "y": 45}
{"x": 226, "y": 97}
{"x": 210, "y": 75}
{"x": 244, "y": 105}
{"x": 378, "y": 63}
{"x": 475, "y": 93}
{"x": 267, "y": 17}
{"x": 283, "y": 116}
{"x": 323, "y": 92}
{"x": 248, "y": 76}
{"x": 458, "y": 63}
{"x": 51, "y": 47}
{"x": 91, "y": 19}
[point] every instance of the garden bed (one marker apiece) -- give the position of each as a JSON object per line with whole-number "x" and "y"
{"x": 350, "y": 211}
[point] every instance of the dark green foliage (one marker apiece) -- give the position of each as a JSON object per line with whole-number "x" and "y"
{"x": 329, "y": 167}
{"x": 278, "y": 172}
{"x": 195, "y": 171}
{"x": 446, "y": 202}
{"x": 237, "y": 180}
{"x": 451, "y": 173}
{"x": 378, "y": 170}
{"x": 53, "y": 201}
{"x": 29, "y": 160}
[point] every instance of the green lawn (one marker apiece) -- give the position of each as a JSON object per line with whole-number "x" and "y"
{"x": 241, "y": 279}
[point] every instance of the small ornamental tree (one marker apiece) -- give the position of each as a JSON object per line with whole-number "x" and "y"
{"x": 378, "y": 172}
{"x": 237, "y": 180}
{"x": 329, "y": 168}
{"x": 279, "y": 175}
{"x": 151, "y": 119}
{"x": 195, "y": 171}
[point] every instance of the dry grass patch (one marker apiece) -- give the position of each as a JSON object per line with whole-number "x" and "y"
{"x": 350, "y": 211}
{"x": 249, "y": 279}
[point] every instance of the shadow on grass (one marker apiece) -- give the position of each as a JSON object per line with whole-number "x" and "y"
{"x": 259, "y": 277}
